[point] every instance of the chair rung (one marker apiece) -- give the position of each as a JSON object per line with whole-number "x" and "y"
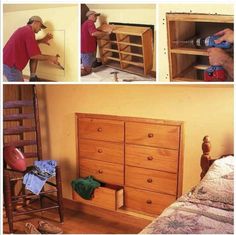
{"x": 30, "y": 155}
{"x": 17, "y": 104}
{"x": 31, "y": 195}
{"x": 17, "y": 117}
{"x": 18, "y": 130}
{"x": 21, "y": 143}
{"x": 35, "y": 210}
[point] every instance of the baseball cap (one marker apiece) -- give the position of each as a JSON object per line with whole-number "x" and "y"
{"x": 36, "y": 18}
{"x": 89, "y": 13}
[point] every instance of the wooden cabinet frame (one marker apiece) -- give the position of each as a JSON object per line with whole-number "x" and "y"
{"x": 128, "y": 48}
{"x": 173, "y": 151}
{"x": 185, "y": 63}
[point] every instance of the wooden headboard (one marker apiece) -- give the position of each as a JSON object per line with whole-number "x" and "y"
{"x": 206, "y": 159}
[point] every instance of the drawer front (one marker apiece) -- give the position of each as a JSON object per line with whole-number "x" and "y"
{"x": 103, "y": 151}
{"x": 149, "y": 202}
{"x": 100, "y": 129}
{"x": 152, "y": 135}
{"x": 104, "y": 197}
{"x": 103, "y": 171}
{"x": 157, "y": 181}
{"x": 152, "y": 158}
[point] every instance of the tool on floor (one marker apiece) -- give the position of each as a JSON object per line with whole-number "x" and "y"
{"x": 115, "y": 75}
{"x": 214, "y": 72}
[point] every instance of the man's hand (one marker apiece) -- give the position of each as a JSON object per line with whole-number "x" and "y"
{"x": 217, "y": 56}
{"x": 225, "y": 35}
{"x": 46, "y": 39}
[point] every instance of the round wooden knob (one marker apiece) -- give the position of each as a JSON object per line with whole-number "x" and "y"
{"x": 149, "y": 180}
{"x": 99, "y": 129}
{"x": 99, "y": 150}
{"x": 149, "y": 158}
{"x": 100, "y": 171}
{"x": 150, "y": 135}
{"x": 149, "y": 201}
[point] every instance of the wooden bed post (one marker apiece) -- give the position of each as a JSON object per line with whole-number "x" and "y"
{"x": 205, "y": 158}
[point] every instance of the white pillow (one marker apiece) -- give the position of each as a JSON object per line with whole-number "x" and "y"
{"x": 218, "y": 184}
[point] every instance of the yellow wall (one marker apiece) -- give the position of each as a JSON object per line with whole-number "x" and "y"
{"x": 62, "y": 22}
{"x": 205, "y": 109}
{"x": 128, "y": 13}
{"x": 163, "y": 63}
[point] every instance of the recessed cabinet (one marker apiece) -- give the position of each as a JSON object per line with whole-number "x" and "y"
{"x": 139, "y": 161}
{"x": 186, "y": 62}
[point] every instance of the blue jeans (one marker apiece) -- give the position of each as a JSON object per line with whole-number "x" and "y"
{"x": 12, "y": 74}
{"x": 88, "y": 59}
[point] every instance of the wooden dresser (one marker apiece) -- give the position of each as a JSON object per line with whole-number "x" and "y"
{"x": 139, "y": 159}
{"x": 128, "y": 48}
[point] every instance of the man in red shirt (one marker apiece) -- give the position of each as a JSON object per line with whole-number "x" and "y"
{"x": 23, "y": 47}
{"x": 89, "y": 35}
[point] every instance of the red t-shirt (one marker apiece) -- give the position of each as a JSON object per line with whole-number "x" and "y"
{"x": 88, "y": 42}
{"x": 20, "y": 47}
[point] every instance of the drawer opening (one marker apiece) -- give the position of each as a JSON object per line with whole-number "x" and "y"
{"x": 108, "y": 196}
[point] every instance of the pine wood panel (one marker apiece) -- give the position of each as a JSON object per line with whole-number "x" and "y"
{"x": 149, "y": 202}
{"x": 104, "y": 197}
{"x": 101, "y": 150}
{"x": 103, "y": 171}
{"x": 98, "y": 129}
{"x": 201, "y": 18}
{"x": 152, "y": 158}
{"x": 152, "y": 180}
{"x": 152, "y": 135}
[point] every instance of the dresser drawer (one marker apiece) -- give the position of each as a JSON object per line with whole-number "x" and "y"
{"x": 107, "y": 197}
{"x": 152, "y": 158}
{"x": 100, "y": 129}
{"x": 103, "y": 171}
{"x": 103, "y": 151}
{"x": 152, "y": 135}
{"x": 149, "y": 202}
{"x": 157, "y": 181}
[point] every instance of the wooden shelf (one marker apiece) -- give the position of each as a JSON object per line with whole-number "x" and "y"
{"x": 130, "y": 44}
{"x": 133, "y": 63}
{"x": 113, "y": 58}
{"x": 131, "y": 53}
{"x": 189, "y": 51}
{"x": 110, "y": 49}
{"x": 201, "y": 66}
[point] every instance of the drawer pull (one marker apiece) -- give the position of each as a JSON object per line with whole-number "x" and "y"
{"x": 99, "y": 150}
{"x": 100, "y": 171}
{"x": 149, "y": 180}
{"x": 99, "y": 129}
{"x": 150, "y": 158}
{"x": 150, "y": 135}
{"x": 149, "y": 201}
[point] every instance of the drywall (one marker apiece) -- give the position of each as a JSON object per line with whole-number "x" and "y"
{"x": 205, "y": 110}
{"x": 128, "y": 13}
{"x": 163, "y": 63}
{"x": 62, "y": 23}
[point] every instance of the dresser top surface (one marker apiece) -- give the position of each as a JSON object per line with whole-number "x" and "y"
{"x": 130, "y": 30}
{"x": 131, "y": 119}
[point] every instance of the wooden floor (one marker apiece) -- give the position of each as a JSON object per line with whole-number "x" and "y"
{"x": 79, "y": 222}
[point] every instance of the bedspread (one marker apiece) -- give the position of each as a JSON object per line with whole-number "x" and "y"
{"x": 190, "y": 215}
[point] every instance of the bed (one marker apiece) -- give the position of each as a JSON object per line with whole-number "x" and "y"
{"x": 209, "y": 207}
